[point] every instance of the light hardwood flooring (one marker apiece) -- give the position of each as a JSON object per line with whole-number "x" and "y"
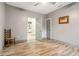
{"x": 41, "y": 48}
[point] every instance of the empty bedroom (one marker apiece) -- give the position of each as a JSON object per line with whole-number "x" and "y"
{"x": 39, "y": 28}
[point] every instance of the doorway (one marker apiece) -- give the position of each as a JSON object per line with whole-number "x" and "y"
{"x": 48, "y": 29}
{"x": 31, "y": 29}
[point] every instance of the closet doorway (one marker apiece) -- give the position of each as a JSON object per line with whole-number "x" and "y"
{"x": 48, "y": 29}
{"x": 31, "y": 29}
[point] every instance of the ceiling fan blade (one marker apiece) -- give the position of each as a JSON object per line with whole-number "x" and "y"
{"x": 36, "y": 4}
{"x": 53, "y": 3}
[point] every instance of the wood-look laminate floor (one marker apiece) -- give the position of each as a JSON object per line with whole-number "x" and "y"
{"x": 41, "y": 48}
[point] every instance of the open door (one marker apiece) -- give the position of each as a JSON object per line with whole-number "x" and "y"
{"x": 31, "y": 29}
{"x": 48, "y": 28}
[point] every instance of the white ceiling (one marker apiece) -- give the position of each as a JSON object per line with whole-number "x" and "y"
{"x": 40, "y": 8}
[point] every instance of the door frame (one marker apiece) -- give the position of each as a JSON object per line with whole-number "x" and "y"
{"x": 30, "y": 29}
{"x": 48, "y": 38}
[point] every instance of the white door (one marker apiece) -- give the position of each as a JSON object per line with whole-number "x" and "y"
{"x": 31, "y": 29}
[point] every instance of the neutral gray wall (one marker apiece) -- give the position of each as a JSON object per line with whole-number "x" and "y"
{"x": 2, "y": 18}
{"x": 39, "y": 28}
{"x": 44, "y": 27}
{"x": 16, "y": 19}
{"x": 66, "y": 32}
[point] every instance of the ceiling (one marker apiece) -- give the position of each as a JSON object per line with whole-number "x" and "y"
{"x": 40, "y": 7}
